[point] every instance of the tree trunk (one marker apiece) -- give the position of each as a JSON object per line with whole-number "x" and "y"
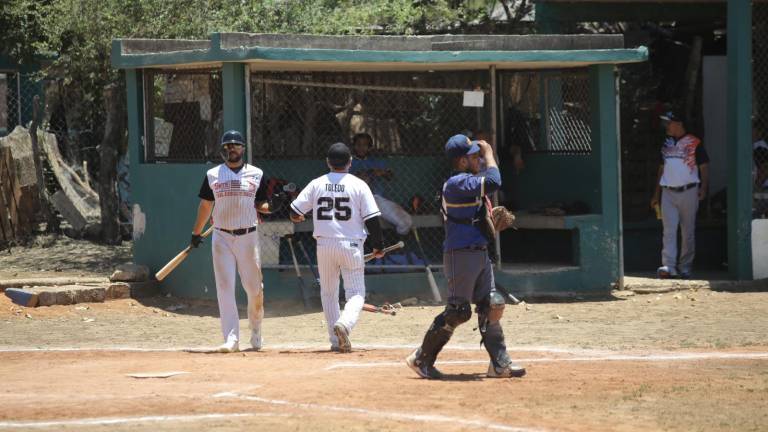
{"x": 114, "y": 132}
{"x": 52, "y": 222}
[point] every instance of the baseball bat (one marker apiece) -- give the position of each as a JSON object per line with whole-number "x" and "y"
{"x": 378, "y": 309}
{"x": 172, "y": 264}
{"x": 386, "y": 250}
{"x": 430, "y": 277}
{"x": 302, "y": 287}
{"x": 315, "y": 286}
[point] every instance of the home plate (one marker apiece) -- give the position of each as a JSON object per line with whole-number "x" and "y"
{"x": 156, "y": 374}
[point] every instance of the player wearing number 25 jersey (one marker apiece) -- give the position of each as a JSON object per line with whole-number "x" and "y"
{"x": 345, "y": 213}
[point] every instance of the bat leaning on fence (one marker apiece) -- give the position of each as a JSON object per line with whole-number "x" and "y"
{"x": 302, "y": 287}
{"x": 178, "y": 259}
{"x": 430, "y": 277}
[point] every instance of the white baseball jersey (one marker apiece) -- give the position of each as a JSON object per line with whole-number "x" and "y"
{"x": 235, "y": 196}
{"x": 341, "y": 204}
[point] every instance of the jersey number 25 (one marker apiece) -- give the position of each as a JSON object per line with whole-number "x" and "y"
{"x": 333, "y": 208}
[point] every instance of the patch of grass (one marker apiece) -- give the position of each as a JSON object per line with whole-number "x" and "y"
{"x": 637, "y": 393}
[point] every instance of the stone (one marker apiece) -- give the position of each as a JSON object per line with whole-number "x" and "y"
{"x": 410, "y": 301}
{"x": 150, "y": 288}
{"x": 68, "y": 294}
{"x": 22, "y": 297}
{"x": 130, "y": 273}
{"x": 119, "y": 290}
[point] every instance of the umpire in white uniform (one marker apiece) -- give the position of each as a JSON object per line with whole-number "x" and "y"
{"x": 343, "y": 208}
{"x": 234, "y": 191}
{"x": 682, "y": 182}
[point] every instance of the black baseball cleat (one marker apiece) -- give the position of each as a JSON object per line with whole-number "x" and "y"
{"x": 511, "y": 370}
{"x": 422, "y": 370}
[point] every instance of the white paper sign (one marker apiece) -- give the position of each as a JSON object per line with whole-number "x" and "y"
{"x": 474, "y": 98}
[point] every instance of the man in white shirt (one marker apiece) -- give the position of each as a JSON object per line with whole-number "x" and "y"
{"x": 683, "y": 178}
{"x": 234, "y": 192}
{"x": 345, "y": 213}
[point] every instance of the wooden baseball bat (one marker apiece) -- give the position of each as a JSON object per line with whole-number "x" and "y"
{"x": 386, "y": 250}
{"x": 172, "y": 264}
{"x": 378, "y": 309}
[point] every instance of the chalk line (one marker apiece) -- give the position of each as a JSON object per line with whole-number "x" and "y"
{"x": 389, "y": 415}
{"x": 106, "y": 421}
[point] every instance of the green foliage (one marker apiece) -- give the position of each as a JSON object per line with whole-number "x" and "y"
{"x": 81, "y": 31}
{"x": 21, "y": 34}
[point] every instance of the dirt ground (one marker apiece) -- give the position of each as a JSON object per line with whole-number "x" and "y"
{"x": 678, "y": 361}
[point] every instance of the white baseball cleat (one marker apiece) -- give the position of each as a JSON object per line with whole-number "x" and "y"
{"x": 256, "y": 340}
{"x": 342, "y": 334}
{"x": 229, "y": 346}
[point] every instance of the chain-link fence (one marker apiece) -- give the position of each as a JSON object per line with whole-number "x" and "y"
{"x": 16, "y": 93}
{"x": 294, "y": 117}
{"x": 547, "y": 112}
{"x": 401, "y": 121}
{"x": 760, "y": 114}
{"x": 185, "y": 114}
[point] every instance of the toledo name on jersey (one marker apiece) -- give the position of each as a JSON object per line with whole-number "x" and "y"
{"x": 341, "y": 204}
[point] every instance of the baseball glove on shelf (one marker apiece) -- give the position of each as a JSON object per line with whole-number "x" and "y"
{"x": 502, "y": 218}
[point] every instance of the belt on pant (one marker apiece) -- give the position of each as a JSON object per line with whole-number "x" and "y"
{"x": 238, "y": 232}
{"x": 475, "y": 248}
{"x": 681, "y": 188}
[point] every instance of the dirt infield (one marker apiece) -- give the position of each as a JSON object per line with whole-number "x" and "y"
{"x": 372, "y": 390}
{"x": 679, "y": 361}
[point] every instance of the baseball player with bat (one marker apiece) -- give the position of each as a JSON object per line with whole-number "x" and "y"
{"x": 345, "y": 213}
{"x": 468, "y": 268}
{"x": 234, "y": 192}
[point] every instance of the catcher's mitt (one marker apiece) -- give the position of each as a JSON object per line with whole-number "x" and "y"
{"x": 502, "y": 218}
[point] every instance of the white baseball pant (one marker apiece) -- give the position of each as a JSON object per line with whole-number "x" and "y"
{"x": 341, "y": 257}
{"x": 241, "y": 253}
{"x": 679, "y": 209}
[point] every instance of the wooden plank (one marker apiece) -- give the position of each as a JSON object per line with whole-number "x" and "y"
{"x": 69, "y": 210}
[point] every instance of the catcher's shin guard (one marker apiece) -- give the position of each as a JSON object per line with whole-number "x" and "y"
{"x": 489, "y": 313}
{"x": 441, "y": 330}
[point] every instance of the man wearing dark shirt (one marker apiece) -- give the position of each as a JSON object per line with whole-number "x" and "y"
{"x": 467, "y": 266}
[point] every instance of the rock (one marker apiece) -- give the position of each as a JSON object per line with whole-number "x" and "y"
{"x": 410, "y": 301}
{"x": 150, "y": 288}
{"x": 68, "y": 294}
{"x": 130, "y": 273}
{"x": 22, "y": 297}
{"x": 119, "y": 290}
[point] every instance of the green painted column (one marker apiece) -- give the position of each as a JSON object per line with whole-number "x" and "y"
{"x": 135, "y": 112}
{"x": 605, "y": 142}
{"x": 740, "y": 139}
{"x": 234, "y": 97}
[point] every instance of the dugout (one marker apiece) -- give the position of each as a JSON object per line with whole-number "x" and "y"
{"x": 555, "y": 96}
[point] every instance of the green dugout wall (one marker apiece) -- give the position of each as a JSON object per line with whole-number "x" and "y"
{"x": 165, "y": 194}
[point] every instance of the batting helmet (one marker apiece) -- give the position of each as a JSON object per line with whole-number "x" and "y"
{"x": 232, "y": 137}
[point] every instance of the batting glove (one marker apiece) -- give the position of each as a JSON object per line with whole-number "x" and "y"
{"x": 196, "y": 240}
